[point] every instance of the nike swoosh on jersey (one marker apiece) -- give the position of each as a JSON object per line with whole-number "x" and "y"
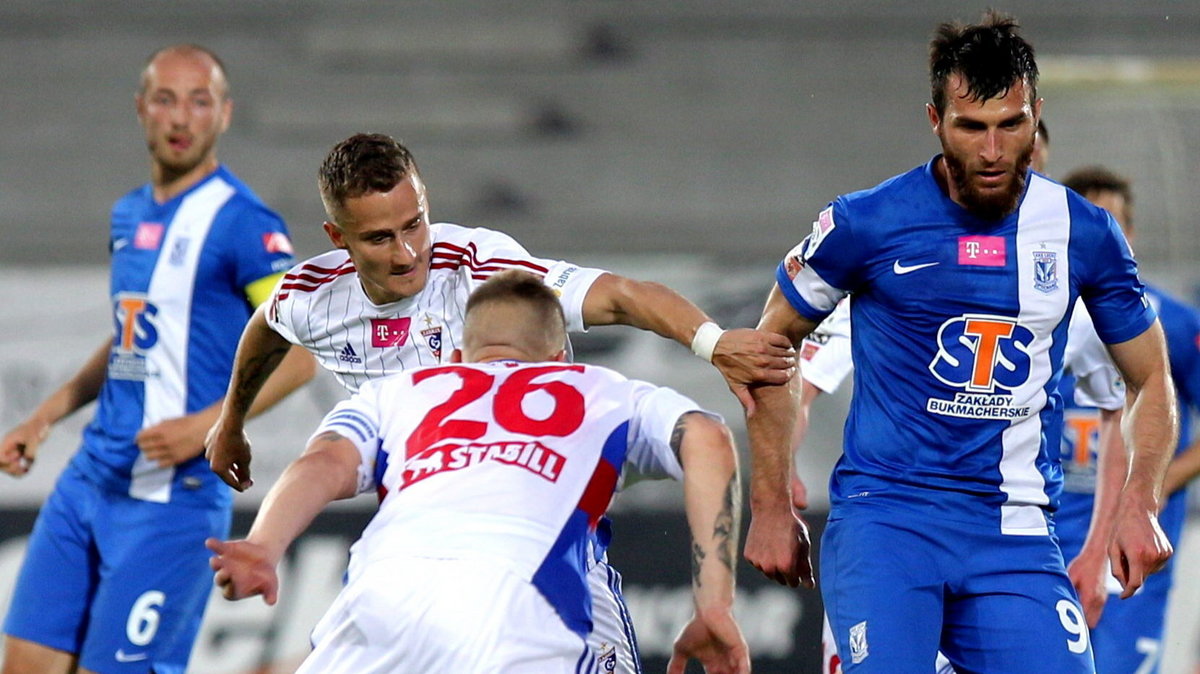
{"x": 122, "y": 656}
{"x": 901, "y": 269}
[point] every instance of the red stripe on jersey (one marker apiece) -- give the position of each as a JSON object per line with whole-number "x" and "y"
{"x": 307, "y": 266}
{"x": 598, "y": 493}
{"x": 309, "y": 284}
{"x": 470, "y": 257}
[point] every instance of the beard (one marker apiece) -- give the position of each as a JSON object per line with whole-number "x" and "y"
{"x": 992, "y": 205}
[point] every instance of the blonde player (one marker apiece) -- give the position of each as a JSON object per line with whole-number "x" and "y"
{"x": 494, "y": 475}
{"x": 392, "y": 295}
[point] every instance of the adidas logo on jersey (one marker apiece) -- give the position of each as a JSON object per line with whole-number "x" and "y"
{"x": 348, "y": 355}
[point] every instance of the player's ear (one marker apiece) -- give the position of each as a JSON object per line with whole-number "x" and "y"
{"x": 560, "y": 357}
{"x": 456, "y": 356}
{"x": 935, "y": 120}
{"x": 336, "y": 237}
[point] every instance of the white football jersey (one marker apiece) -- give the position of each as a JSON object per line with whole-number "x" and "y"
{"x": 825, "y": 359}
{"x": 511, "y": 462}
{"x": 1098, "y": 383}
{"x": 320, "y": 304}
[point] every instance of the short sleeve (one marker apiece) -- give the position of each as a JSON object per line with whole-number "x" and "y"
{"x": 820, "y": 271}
{"x": 1115, "y": 296}
{"x": 357, "y": 419}
{"x": 262, "y": 246}
{"x": 496, "y": 251}
{"x": 1098, "y": 383}
{"x": 657, "y": 411}
{"x": 825, "y": 357}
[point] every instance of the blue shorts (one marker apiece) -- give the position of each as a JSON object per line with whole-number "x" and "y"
{"x": 1128, "y": 638}
{"x": 122, "y": 583}
{"x": 899, "y": 584}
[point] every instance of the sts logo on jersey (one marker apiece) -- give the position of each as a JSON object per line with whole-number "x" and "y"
{"x": 1080, "y": 444}
{"x": 135, "y": 320}
{"x": 987, "y": 357}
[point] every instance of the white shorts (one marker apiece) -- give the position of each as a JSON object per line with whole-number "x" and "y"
{"x": 437, "y": 615}
{"x": 612, "y": 640}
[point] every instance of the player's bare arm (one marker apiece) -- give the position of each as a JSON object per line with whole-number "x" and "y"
{"x": 260, "y": 352}
{"x": 1139, "y": 546}
{"x": 744, "y": 356}
{"x": 777, "y": 543}
{"x": 1089, "y": 570}
{"x": 1182, "y": 470}
{"x": 173, "y": 441}
{"x": 327, "y": 471}
{"x": 712, "y": 497}
{"x": 19, "y": 448}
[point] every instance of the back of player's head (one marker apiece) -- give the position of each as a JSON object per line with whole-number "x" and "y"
{"x": 514, "y": 310}
{"x": 186, "y": 49}
{"x": 990, "y": 56}
{"x": 361, "y": 164}
{"x": 1091, "y": 181}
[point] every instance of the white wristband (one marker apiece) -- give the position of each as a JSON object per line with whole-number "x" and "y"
{"x": 706, "y": 339}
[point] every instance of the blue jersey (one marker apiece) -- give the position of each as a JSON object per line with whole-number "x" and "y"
{"x": 1181, "y": 325}
{"x": 959, "y": 328}
{"x": 179, "y": 273}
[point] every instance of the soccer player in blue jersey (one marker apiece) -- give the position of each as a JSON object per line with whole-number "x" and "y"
{"x": 116, "y": 577}
{"x": 963, "y": 272}
{"x": 1128, "y": 635}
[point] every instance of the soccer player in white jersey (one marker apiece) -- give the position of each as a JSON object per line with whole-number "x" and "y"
{"x": 391, "y": 297}
{"x": 115, "y": 578}
{"x": 492, "y": 474}
{"x": 963, "y": 272}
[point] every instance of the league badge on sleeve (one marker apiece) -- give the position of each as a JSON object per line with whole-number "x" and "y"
{"x": 821, "y": 229}
{"x": 277, "y": 242}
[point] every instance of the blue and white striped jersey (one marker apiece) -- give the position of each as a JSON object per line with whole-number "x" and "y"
{"x": 959, "y": 328}
{"x": 178, "y": 288}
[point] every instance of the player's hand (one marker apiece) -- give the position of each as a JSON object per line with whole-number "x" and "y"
{"x": 243, "y": 569}
{"x": 171, "y": 442}
{"x": 778, "y": 545}
{"x": 1138, "y": 547}
{"x": 228, "y": 453}
{"x": 713, "y": 638}
{"x": 747, "y": 356}
{"x": 1088, "y": 572}
{"x": 19, "y": 448}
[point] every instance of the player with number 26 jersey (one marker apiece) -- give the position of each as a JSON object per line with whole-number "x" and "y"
{"x": 444, "y": 445}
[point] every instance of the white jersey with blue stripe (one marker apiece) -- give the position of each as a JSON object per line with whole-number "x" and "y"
{"x": 511, "y": 462}
{"x": 959, "y": 330}
{"x": 179, "y": 273}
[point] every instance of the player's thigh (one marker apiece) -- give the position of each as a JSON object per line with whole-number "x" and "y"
{"x": 1128, "y": 639}
{"x": 154, "y": 585}
{"x": 27, "y": 657}
{"x": 1019, "y": 621}
{"x": 882, "y": 590}
{"x": 612, "y": 640}
{"x": 50, "y": 600}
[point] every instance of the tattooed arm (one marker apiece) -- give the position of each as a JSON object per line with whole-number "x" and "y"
{"x": 252, "y": 389}
{"x": 327, "y": 471}
{"x": 713, "y": 499}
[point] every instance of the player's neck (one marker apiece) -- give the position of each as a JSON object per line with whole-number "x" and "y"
{"x": 168, "y": 184}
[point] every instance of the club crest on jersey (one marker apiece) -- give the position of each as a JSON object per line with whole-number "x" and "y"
{"x": 858, "y": 642}
{"x": 387, "y": 332}
{"x": 135, "y": 319}
{"x": 1045, "y": 270}
{"x": 987, "y": 357}
{"x": 533, "y": 456}
{"x": 433, "y": 338}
